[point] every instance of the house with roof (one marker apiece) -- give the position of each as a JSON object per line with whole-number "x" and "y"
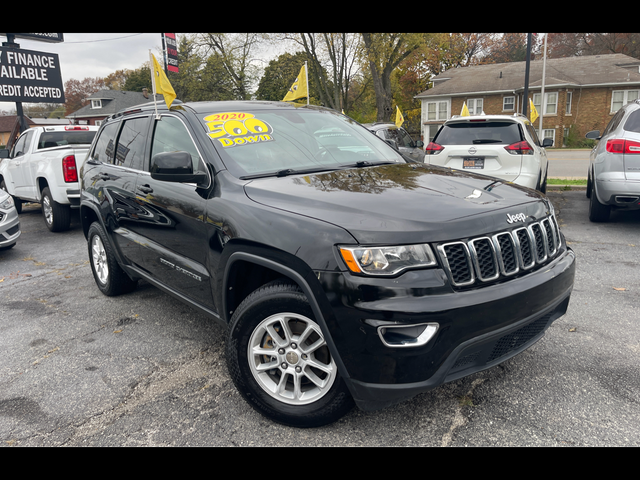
{"x": 105, "y": 103}
{"x": 580, "y": 93}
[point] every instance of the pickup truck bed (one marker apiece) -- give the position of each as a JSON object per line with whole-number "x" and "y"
{"x": 43, "y": 167}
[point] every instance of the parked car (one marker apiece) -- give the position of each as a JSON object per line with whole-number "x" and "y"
{"x": 43, "y": 167}
{"x": 613, "y": 180}
{"x": 344, "y": 272}
{"x": 9, "y": 221}
{"x": 399, "y": 138}
{"x": 502, "y": 146}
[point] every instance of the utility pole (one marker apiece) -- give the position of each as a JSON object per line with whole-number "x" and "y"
{"x": 525, "y": 100}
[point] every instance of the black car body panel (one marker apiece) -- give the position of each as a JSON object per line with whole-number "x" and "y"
{"x": 212, "y": 244}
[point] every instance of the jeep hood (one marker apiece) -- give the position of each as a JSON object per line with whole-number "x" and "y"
{"x": 403, "y": 203}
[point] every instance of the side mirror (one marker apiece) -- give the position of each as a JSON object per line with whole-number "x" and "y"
{"x": 175, "y": 167}
{"x": 4, "y": 153}
{"x": 593, "y": 134}
{"x": 547, "y": 142}
{"x": 419, "y": 143}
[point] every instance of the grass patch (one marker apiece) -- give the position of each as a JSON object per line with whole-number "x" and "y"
{"x": 564, "y": 181}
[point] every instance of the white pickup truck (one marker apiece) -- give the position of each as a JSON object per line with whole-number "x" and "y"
{"x": 43, "y": 167}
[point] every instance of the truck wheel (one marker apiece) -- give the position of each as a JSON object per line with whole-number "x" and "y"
{"x": 109, "y": 277}
{"x": 16, "y": 201}
{"x": 279, "y": 360}
{"x": 57, "y": 217}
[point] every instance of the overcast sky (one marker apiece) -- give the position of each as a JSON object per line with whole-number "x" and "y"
{"x": 90, "y": 55}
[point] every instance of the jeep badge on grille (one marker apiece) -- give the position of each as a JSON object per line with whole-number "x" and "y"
{"x": 518, "y": 217}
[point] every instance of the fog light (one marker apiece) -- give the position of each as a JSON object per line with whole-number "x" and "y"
{"x": 398, "y": 336}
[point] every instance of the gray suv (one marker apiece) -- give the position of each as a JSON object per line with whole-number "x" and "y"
{"x": 399, "y": 138}
{"x": 613, "y": 180}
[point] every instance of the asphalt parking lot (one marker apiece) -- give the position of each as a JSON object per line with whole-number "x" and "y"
{"x": 81, "y": 369}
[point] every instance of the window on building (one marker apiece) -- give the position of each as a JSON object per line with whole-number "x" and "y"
{"x": 620, "y": 98}
{"x": 437, "y": 111}
{"x": 509, "y": 103}
{"x": 550, "y": 103}
{"x": 475, "y": 106}
{"x": 96, "y": 103}
{"x": 567, "y": 107}
{"x": 549, "y": 133}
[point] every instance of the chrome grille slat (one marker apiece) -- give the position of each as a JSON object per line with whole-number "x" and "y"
{"x": 488, "y": 258}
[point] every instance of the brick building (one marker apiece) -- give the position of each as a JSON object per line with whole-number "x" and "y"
{"x": 581, "y": 93}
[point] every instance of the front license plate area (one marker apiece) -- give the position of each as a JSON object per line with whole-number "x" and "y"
{"x": 473, "y": 163}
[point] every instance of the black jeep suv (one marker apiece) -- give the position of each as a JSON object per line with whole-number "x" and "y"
{"x": 344, "y": 271}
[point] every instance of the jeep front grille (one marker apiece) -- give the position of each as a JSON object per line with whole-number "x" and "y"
{"x": 501, "y": 255}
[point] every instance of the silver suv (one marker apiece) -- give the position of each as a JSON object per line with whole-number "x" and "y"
{"x": 502, "y": 146}
{"x": 613, "y": 180}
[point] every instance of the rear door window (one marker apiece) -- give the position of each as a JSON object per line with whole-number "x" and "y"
{"x": 478, "y": 133}
{"x": 633, "y": 122}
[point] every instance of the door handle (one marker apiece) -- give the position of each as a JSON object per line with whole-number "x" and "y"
{"x": 145, "y": 188}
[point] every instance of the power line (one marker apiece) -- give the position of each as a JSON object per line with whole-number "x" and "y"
{"x": 106, "y": 39}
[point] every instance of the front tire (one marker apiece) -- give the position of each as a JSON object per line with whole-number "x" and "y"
{"x": 57, "y": 217}
{"x": 16, "y": 201}
{"x": 280, "y": 362}
{"x": 109, "y": 277}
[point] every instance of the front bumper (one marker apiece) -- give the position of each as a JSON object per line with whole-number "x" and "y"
{"x": 477, "y": 328}
{"x": 9, "y": 227}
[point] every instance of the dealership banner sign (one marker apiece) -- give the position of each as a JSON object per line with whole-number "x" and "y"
{"x": 30, "y": 77}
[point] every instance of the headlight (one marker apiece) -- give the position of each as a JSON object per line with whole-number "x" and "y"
{"x": 7, "y": 204}
{"x": 387, "y": 260}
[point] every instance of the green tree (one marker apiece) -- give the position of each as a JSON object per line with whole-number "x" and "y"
{"x": 138, "y": 79}
{"x": 280, "y": 75}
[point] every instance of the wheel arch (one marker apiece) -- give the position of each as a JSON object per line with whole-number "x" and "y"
{"x": 268, "y": 269}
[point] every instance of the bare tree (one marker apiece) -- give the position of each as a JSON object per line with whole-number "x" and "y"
{"x": 236, "y": 51}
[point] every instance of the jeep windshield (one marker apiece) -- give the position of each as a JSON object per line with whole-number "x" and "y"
{"x": 478, "y": 132}
{"x": 279, "y": 142}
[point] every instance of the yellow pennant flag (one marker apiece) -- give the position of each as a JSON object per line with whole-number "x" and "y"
{"x": 161, "y": 84}
{"x": 399, "y": 117}
{"x": 299, "y": 88}
{"x": 534, "y": 112}
{"x": 465, "y": 110}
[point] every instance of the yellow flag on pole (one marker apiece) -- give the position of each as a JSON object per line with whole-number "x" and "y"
{"x": 299, "y": 89}
{"x": 399, "y": 117}
{"x": 534, "y": 112}
{"x": 465, "y": 110}
{"x": 161, "y": 84}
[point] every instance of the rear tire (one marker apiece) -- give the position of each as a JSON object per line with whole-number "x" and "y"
{"x": 598, "y": 212}
{"x": 57, "y": 217}
{"x": 279, "y": 360}
{"x": 109, "y": 277}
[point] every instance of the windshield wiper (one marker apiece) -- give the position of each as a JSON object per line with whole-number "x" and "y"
{"x": 288, "y": 171}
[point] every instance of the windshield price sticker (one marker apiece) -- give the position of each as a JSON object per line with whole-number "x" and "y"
{"x": 238, "y": 128}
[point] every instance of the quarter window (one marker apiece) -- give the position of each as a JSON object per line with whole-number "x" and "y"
{"x": 132, "y": 142}
{"x": 105, "y": 145}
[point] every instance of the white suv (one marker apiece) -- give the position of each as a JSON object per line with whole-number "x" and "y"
{"x": 502, "y": 146}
